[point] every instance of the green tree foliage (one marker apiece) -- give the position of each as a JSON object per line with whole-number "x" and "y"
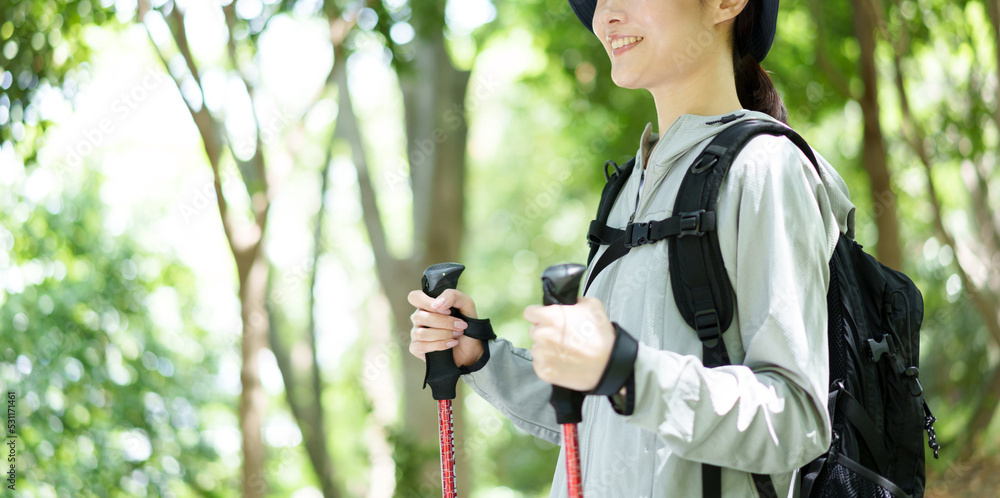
{"x": 41, "y": 48}
{"x": 115, "y": 384}
{"x": 943, "y": 61}
{"x": 100, "y": 374}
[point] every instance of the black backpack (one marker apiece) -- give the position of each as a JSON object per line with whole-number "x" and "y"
{"x": 876, "y": 402}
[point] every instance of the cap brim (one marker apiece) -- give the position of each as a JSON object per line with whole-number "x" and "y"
{"x": 584, "y": 10}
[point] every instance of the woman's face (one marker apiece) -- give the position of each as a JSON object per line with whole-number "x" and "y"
{"x": 655, "y": 42}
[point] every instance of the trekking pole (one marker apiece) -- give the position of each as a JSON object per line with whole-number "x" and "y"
{"x": 442, "y": 374}
{"x": 560, "y": 285}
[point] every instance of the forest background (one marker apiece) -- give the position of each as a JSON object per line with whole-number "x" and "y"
{"x": 211, "y": 213}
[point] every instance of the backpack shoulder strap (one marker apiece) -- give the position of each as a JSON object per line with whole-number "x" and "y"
{"x": 698, "y": 274}
{"x": 599, "y": 233}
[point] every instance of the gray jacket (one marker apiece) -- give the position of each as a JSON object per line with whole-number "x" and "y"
{"x": 779, "y": 222}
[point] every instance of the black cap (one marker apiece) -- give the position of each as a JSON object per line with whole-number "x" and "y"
{"x": 758, "y": 44}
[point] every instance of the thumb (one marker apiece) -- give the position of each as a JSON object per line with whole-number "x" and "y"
{"x": 452, "y": 298}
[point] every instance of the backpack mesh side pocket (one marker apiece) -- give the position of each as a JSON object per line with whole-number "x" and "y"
{"x": 845, "y": 478}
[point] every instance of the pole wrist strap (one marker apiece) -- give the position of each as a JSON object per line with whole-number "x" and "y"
{"x": 479, "y": 328}
{"x": 620, "y": 366}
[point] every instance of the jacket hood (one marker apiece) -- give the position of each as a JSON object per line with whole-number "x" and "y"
{"x": 690, "y": 133}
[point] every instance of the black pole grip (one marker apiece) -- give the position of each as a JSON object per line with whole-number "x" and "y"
{"x": 440, "y": 277}
{"x": 442, "y": 374}
{"x": 560, "y": 285}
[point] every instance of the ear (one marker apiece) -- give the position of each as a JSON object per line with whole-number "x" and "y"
{"x": 727, "y": 10}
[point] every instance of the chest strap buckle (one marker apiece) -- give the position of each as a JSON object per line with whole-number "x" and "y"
{"x": 636, "y": 234}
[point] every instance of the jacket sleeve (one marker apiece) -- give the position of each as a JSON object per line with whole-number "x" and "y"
{"x": 767, "y": 415}
{"x": 508, "y": 382}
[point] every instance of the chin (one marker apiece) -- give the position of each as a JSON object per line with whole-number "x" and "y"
{"x": 624, "y": 81}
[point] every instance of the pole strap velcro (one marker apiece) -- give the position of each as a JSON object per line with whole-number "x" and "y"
{"x": 479, "y": 328}
{"x": 621, "y": 364}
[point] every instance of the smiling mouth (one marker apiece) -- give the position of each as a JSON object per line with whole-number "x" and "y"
{"x": 626, "y": 40}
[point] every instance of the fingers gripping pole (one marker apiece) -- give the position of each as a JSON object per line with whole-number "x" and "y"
{"x": 560, "y": 285}
{"x": 442, "y": 375}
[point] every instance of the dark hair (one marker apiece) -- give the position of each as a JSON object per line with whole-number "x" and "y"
{"x": 753, "y": 85}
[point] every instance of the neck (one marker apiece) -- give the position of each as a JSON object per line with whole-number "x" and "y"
{"x": 707, "y": 88}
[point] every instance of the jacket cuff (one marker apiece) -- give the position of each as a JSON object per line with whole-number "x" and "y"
{"x": 620, "y": 366}
{"x": 624, "y": 404}
{"x": 478, "y": 365}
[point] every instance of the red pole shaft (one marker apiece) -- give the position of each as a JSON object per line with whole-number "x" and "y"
{"x": 573, "y": 475}
{"x": 445, "y": 431}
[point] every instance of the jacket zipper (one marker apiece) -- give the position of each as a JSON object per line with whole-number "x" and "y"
{"x": 638, "y": 198}
{"x": 638, "y": 195}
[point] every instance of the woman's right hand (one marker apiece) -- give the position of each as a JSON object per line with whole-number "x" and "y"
{"x": 434, "y": 329}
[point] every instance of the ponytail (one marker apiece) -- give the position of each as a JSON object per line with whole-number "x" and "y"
{"x": 753, "y": 85}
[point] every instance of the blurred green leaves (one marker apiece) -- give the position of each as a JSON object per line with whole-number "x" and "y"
{"x": 42, "y": 47}
{"x": 111, "y": 402}
{"x": 119, "y": 390}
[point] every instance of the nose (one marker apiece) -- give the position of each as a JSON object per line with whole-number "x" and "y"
{"x": 608, "y": 12}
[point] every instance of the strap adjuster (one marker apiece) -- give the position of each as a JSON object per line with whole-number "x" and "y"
{"x": 636, "y": 234}
{"x": 690, "y": 224}
{"x": 708, "y": 328}
{"x": 593, "y": 237}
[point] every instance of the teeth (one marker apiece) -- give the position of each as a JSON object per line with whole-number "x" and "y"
{"x": 621, "y": 42}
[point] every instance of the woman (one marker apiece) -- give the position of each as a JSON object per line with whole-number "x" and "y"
{"x": 778, "y": 222}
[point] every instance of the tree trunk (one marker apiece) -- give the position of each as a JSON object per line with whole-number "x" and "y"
{"x": 253, "y": 289}
{"x": 982, "y": 414}
{"x": 304, "y": 399}
{"x": 874, "y": 155}
{"x": 993, "y": 8}
{"x": 434, "y": 100}
{"x": 989, "y": 397}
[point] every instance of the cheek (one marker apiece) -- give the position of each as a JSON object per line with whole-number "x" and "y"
{"x": 677, "y": 24}
{"x": 601, "y": 36}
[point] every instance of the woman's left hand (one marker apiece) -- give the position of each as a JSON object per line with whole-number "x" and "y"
{"x": 572, "y": 343}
